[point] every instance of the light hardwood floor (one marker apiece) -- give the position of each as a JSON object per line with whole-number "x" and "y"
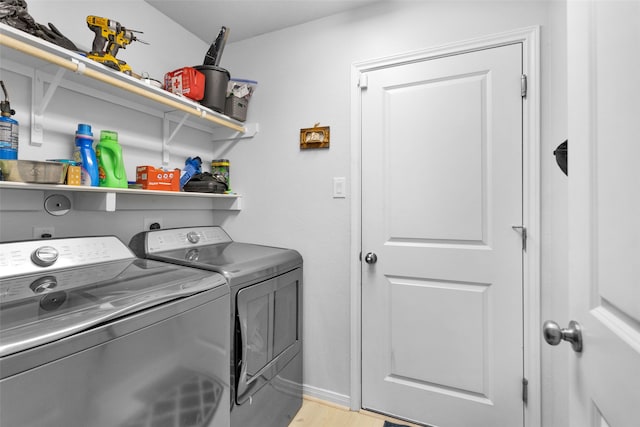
{"x": 318, "y": 413}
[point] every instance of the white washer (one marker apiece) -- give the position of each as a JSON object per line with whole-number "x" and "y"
{"x": 91, "y": 335}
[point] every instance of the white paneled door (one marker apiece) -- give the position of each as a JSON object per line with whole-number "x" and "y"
{"x": 604, "y": 209}
{"x": 442, "y": 278}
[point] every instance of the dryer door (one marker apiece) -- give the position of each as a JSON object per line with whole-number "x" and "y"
{"x": 269, "y": 320}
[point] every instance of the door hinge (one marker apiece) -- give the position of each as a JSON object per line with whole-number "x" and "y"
{"x": 523, "y": 85}
{"x": 525, "y": 390}
{"x": 523, "y": 233}
{"x": 363, "y": 81}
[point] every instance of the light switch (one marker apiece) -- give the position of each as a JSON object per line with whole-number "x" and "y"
{"x": 339, "y": 187}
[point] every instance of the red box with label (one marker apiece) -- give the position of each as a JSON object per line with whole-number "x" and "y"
{"x": 186, "y": 81}
{"x": 158, "y": 179}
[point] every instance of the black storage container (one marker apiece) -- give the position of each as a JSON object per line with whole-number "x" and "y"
{"x": 215, "y": 86}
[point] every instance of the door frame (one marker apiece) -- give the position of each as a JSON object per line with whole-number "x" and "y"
{"x": 530, "y": 39}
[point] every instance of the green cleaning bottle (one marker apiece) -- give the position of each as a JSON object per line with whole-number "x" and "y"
{"x": 110, "y": 164}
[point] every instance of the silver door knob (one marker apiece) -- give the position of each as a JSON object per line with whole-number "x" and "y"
{"x": 553, "y": 334}
{"x": 371, "y": 258}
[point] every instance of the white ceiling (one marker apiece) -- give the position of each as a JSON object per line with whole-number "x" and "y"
{"x": 248, "y": 18}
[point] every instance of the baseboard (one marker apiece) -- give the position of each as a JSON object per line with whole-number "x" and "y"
{"x": 325, "y": 396}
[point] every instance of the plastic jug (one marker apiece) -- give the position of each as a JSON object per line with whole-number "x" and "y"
{"x": 84, "y": 154}
{"x": 110, "y": 163}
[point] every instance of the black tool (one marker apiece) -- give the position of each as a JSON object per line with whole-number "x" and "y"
{"x": 54, "y": 35}
{"x": 561, "y": 153}
{"x": 213, "y": 55}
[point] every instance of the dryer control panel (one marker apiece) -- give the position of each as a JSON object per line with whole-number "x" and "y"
{"x": 181, "y": 238}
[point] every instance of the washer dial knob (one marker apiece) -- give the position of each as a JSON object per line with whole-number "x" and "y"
{"x": 44, "y": 256}
{"x": 193, "y": 237}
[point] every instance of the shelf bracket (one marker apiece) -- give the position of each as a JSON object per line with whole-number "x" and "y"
{"x": 99, "y": 202}
{"x": 40, "y": 102}
{"x": 223, "y": 134}
{"x": 167, "y": 135}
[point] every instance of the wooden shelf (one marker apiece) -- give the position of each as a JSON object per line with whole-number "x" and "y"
{"x": 61, "y": 64}
{"x": 33, "y": 52}
{"x": 14, "y": 197}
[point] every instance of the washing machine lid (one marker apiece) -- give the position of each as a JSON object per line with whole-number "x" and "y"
{"x": 94, "y": 280}
{"x": 211, "y": 248}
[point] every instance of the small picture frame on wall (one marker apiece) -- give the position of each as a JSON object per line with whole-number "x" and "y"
{"x": 315, "y": 137}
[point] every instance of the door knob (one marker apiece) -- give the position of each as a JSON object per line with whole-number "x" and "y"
{"x": 553, "y": 334}
{"x": 370, "y": 258}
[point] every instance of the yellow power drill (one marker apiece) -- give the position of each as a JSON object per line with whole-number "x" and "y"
{"x": 109, "y": 37}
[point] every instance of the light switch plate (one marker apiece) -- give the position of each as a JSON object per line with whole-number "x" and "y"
{"x": 339, "y": 187}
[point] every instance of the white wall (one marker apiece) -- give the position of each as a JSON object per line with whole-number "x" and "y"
{"x": 304, "y": 76}
{"x": 554, "y": 216}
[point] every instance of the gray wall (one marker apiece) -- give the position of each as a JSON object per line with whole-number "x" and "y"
{"x": 304, "y": 78}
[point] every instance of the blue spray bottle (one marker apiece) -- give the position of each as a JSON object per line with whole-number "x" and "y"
{"x": 8, "y": 129}
{"x": 191, "y": 167}
{"x": 86, "y": 155}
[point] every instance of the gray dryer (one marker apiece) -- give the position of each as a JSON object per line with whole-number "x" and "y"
{"x": 266, "y": 316}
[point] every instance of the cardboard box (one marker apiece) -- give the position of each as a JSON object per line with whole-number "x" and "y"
{"x": 158, "y": 179}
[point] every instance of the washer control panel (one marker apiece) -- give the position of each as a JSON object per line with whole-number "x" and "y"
{"x": 32, "y": 256}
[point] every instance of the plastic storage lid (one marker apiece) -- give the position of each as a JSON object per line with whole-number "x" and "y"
{"x": 252, "y": 82}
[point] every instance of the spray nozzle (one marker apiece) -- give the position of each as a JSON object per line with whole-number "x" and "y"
{"x": 5, "y": 106}
{"x": 195, "y": 163}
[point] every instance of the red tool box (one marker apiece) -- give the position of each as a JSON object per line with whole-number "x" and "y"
{"x": 186, "y": 81}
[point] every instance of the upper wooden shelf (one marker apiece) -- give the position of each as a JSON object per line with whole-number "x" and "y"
{"x": 23, "y": 48}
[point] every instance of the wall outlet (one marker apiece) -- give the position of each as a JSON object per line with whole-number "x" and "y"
{"x": 43, "y": 232}
{"x": 152, "y": 224}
